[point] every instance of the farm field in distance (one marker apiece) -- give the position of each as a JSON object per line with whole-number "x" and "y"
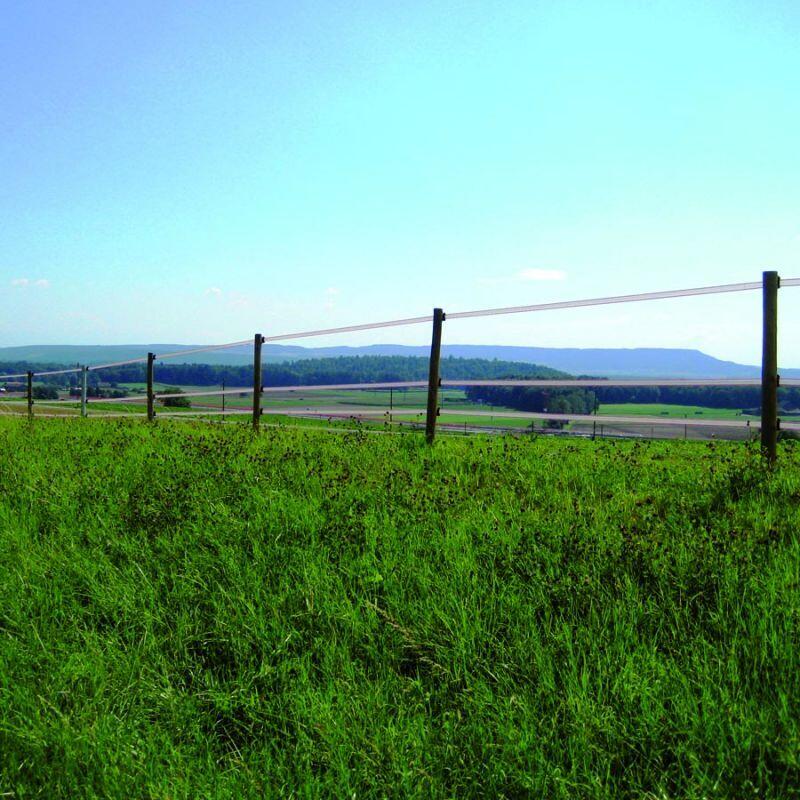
{"x": 669, "y": 410}
{"x": 340, "y": 402}
{"x": 199, "y": 611}
{"x": 273, "y": 403}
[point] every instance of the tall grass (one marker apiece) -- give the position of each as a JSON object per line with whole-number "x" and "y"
{"x": 193, "y": 611}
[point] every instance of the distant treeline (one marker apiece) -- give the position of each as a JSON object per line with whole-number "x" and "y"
{"x": 584, "y": 401}
{"x": 377, "y": 369}
{"x": 709, "y": 396}
{"x": 343, "y": 369}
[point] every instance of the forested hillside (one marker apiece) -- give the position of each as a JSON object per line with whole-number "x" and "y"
{"x": 583, "y": 401}
{"x": 375, "y": 369}
{"x": 345, "y": 369}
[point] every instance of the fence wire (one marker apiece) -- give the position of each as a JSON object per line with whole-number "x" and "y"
{"x": 597, "y": 301}
{"x": 344, "y": 412}
{"x": 601, "y": 301}
{"x": 66, "y": 406}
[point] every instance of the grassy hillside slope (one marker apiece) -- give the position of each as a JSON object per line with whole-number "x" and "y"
{"x": 198, "y": 612}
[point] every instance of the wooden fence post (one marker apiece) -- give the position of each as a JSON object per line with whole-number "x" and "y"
{"x": 258, "y": 340}
{"x": 151, "y": 400}
{"x": 769, "y": 368}
{"x": 434, "y": 378}
{"x": 84, "y": 390}
{"x": 30, "y": 394}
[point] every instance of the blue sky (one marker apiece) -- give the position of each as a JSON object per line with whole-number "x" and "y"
{"x": 194, "y": 172}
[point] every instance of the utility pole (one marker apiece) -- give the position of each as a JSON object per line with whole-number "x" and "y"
{"x": 151, "y": 400}
{"x": 30, "y": 394}
{"x": 433, "y": 376}
{"x": 258, "y": 340}
{"x": 769, "y": 367}
{"x": 84, "y": 390}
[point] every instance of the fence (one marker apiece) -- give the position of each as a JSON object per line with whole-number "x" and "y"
{"x": 769, "y": 382}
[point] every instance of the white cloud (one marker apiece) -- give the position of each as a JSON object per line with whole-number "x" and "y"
{"x": 39, "y": 283}
{"x": 331, "y": 291}
{"x": 541, "y": 275}
{"x": 215, "y": 291}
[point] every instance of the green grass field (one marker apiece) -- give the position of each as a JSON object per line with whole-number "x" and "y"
{"x": 197, "y": 611}
{"x": 667, "y": 410}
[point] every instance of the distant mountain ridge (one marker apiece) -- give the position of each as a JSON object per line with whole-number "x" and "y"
{"x": 642, "y": 362}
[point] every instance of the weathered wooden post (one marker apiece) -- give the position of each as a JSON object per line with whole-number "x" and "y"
{"x": 434, "y": 378}
{"x": 30, "y": 393}
{"x": 769, "y": 368}
{"x": 84, "y": 390}
{"x": 258, "y": 340}
{"x": 151, "y": 399}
